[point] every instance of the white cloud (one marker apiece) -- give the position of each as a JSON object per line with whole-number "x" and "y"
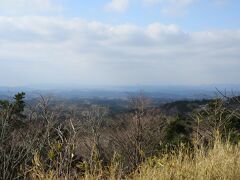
{"x": 117, "y": 5}
{"x": 28, "y": 6}
{"x": 172, "y": 7}
{"x": 178, "y": 2}
{"x": 152, "y": 2}
{"x": 221, "y": 2}
{"x": 59, "y": 50}
{"x": 179, "y": 7}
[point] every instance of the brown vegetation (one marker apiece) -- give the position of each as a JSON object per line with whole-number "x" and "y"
{"x": 48, "y": 142}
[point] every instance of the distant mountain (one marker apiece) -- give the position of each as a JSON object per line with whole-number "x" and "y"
{"x": 170, "y": 93}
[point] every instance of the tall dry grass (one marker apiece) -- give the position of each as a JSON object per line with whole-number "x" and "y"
{"x": 222, "y": 161}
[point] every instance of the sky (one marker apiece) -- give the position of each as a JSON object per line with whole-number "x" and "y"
{"x": 119, "y": 42}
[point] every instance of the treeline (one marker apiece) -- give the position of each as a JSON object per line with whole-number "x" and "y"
{"x": 45, "y": 141}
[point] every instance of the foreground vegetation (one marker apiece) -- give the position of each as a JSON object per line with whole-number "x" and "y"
{"x": 222, "y": 161}
{"x": 45, "y": 141}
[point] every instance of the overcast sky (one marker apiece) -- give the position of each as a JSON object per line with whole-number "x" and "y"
{"x": 119, "y": 42}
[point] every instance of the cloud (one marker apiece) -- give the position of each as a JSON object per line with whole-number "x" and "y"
{"x": 151, "y": 2}
{"x": 117, "y": 5}
{"x": 168, "y": 7}
{"x": 28, "y": 6}
{"x": 61, "y": 50}
{"x": 179, "y": 7}
{"x": 221, "y": 3}
{"x": 172, "y": 7}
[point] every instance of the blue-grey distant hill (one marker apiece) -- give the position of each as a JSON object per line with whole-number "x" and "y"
{"x": 123, "y": 92}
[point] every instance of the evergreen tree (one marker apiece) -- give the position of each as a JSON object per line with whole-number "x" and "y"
{"x": 13, "y": 112}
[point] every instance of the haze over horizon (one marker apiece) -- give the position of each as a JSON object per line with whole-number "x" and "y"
{"x": 119, "y": 42}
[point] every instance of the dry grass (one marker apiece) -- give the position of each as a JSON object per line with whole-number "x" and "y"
{"x": 220, "y": 162}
